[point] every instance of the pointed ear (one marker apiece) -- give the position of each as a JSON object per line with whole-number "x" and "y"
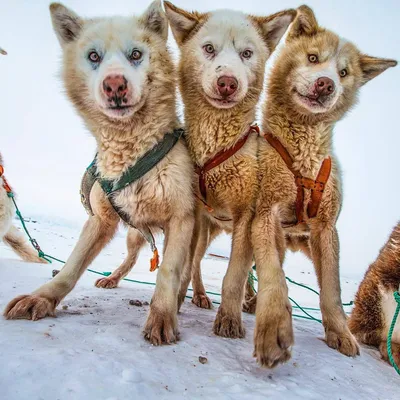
{"x": 155, "y": 20}
{"x": 305, "y": 23}
{"x": 182, "y": 22}
{"x": 66, "y": 23}
{"x": 372, "y": 66}
{"x": 273, "y": 27}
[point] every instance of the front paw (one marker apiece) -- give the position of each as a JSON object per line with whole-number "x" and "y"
{"x": 31, "y": 307}
{"x": 249, "y": 305}
{"x": 161, "y": 327}
{"x": 107, "y": 283}
{"x": 227, "y": 325}
{"x": 343, "y": 341}
{"x": 202, "y": 301}
{"x": 273, "y": 337}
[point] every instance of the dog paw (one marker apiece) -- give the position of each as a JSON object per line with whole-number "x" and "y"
{"x": 202, "y": 301}
{"x": 107, "y": 283}
{"x": 343, "y": 341}
{"x": 273, "y": 338}
{"x": 249, "y": 305}
{"x": 161, "y": 328}
{"x": 31, "y": 307}
{"x": 229, "y": 326}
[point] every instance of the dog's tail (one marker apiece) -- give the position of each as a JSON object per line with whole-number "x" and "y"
{"x": 2, "y": 51}
{"x": 17, "y": 242}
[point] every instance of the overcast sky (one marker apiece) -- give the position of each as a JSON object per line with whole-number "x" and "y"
{"x": 46, "y": 148}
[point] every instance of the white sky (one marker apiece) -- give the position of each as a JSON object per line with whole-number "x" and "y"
{"x": 46, "y": 148}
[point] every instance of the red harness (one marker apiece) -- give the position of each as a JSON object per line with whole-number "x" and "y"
{"x": 6, "y": 186}
{"x": 316, "y": 186}
{"x": 218, "y": 159}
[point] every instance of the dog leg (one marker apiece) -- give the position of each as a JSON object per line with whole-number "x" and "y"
{"x": 15, "y": 239}
{"x": 228, "y": 322}
{"x": 162, "y": 323}
{"x": 188, "y": 266}
{"x": 325, "y": 253}
{"x": 200, "y": 299}
{"x": 96, "y": 233}
{"x": 273, "y": 335}
{"x": 135, "y": 241}
{"x": 250, "y": 299}
{"x": 395, "y": 352}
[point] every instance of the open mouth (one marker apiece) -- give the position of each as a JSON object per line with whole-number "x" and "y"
{"x": 310, "y": 102}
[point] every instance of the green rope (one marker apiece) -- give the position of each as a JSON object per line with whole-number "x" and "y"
{"x": 390, "y": 333}
{"x": 251, "y": 278}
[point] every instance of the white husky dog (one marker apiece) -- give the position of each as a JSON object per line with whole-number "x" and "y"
{"x": 120, "y": 77}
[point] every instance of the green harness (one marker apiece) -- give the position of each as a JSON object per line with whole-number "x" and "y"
{"x": 112, "y": 186}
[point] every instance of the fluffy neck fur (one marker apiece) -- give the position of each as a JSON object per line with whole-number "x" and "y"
{"x": 307, "y": 141}
{"x": 121, "y": 143}
{"x": 210, "y": 130}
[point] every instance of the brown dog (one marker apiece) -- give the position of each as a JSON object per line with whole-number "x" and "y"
{"x": 375, "y": 305}
{"x": 314, "y": 82}
{"x": 221, "y": 71}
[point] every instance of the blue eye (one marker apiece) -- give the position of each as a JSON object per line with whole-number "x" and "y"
{"x": 94, "y": 57}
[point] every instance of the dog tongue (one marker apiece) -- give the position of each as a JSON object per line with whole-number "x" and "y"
{"x": 3, "y": 51}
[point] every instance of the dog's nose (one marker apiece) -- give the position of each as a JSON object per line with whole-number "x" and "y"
{"x": 115, "y": 86}
{"x": 227, "y": 85}
{"x": 324, "y": 86}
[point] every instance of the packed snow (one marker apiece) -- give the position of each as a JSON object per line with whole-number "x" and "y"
{"x": 94, "y": 349}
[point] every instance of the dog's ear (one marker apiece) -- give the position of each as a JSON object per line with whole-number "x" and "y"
{"x": 66, "y": 23}
{"x": 182, "y": 22}
{"x": 373, "y": 66}
{"x": 273, "y": 27}
{"x": 305, "y": 23}
{"x": 154, "y": 19}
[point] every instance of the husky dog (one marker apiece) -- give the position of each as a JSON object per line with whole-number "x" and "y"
{"x": 374, "y": 306}
{"x": 221, "y": 72}
{"x": 314, "y": 82}
{"x": 120, "y": 77}
{"x": 8, "y": 232}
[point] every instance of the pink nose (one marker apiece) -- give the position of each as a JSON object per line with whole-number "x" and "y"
{"x": 227, "y": 85}
{"x": 115, "y": 86}
{"x": 324, "y": 86}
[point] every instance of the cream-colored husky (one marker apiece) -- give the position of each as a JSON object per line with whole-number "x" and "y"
{"x": 120, "y": 77}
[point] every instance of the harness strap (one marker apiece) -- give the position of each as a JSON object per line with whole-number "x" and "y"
{"x": 218, "y": 159}
{"x": 316, "y": 186}
{"x": 110, "y": 187}
{"x": 5, "y": 185}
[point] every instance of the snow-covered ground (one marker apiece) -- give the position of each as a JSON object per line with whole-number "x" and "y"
{"x": 94, "y": 349}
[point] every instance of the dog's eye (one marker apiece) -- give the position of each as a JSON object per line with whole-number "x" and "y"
{"x": 313, "y": 58}
{"x": 94, "y": 57}
{"x": 247, "y": 54}
{"x": 343, "y": 72}
{"x": 135, "y": 55}
{"x": 209, "y": 48}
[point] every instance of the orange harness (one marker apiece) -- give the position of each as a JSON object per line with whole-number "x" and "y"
{"x": 316, "y": 186}
{"x": 218, "y": 159}
{"x": 6, "y": 186}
